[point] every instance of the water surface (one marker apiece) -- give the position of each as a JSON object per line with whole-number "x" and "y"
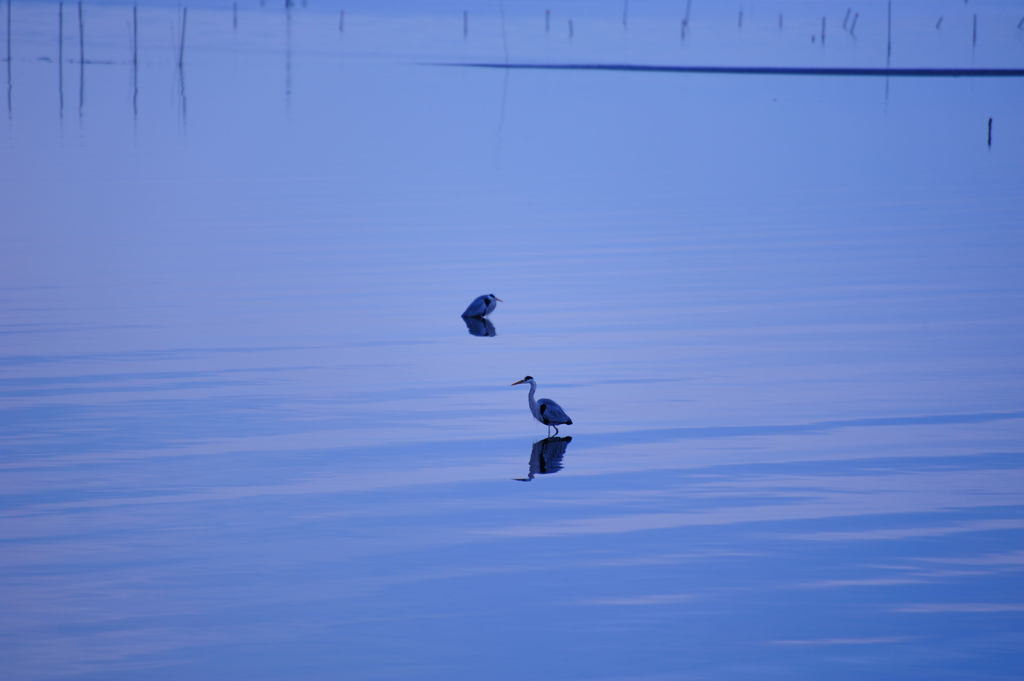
{"x": 247, "y": 435}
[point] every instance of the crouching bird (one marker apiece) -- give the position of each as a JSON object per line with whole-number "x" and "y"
{"x": 482, "y": 305}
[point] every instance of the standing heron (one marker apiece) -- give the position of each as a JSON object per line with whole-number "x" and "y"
{"x": 482, "y": 305}
{"x": 544, "y": 410}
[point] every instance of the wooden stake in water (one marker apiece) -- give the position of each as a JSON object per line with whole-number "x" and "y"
{"x": 135, "y": 37}
{"x": 60, "y": 56}
{"x": 10, "y": 81}
{"x": 504, "y": 33}
{"x": 181, "y": 45}
{"x": 823, "y": 31}
{"x": 847, "y": 17}
{"x": 990, "y": 131}
{"x": 81, "y": 34}
{"x": 135, "y": 60}
{"x": 888, "y": 35}
{"x": 81, "y": 60}
{"x": 9, "y": 39}
{"x": 974, "y": 32}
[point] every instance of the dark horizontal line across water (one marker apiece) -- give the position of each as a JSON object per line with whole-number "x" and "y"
{"x": 762, "y": 70}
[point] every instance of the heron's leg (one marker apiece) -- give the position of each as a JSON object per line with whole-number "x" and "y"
{"x": 556, "y": 430}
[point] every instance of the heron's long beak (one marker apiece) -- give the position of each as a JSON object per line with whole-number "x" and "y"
{"x": 518, "y": 382}
{"x": 499, "y": 299}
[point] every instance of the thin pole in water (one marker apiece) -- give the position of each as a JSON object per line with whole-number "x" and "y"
{"x": 81, "y": 34}
{"x": 823, "y": 31}
{"x": 504, "y": 34}
{"x": 181, "y": 45}
{"x": 135, "y": 36}
{"x": 739, "y": 19}
{"x": 81, "y": 60}
{"x": 9, "y": 35}
{"x": 234, "y": 16}
{"x": 625, "y": 13}
{"x": 888, "y": 35}
{"x": 60, "y": 56}
{"x": 288, "y": 56}
{"x": 465, "y": 24}
{"x": 853, "y": 24}
{"x": 10, "y": 81}
{"x": 938, "y": 24}
{"x": 990, "y": 131}
{"x": 135, "y": 60}
{"x": 974, "y": 32}
{"x": 846, "y": 19}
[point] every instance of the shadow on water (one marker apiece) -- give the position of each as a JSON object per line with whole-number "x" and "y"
{"x": 480, "y": 326}
{"x": 182, "y": 98}
{"x": 546, "y": 456}
{"x": 81, "y": 88}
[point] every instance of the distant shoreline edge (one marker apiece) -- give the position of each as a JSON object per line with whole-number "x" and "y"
{"x": 758, "y": 70}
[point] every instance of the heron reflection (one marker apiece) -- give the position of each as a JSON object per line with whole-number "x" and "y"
{"x": 480, "y": 326}
{"x": 546, "y": 456}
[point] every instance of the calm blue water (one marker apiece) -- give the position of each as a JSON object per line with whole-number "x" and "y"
{"x": 246, "y": 435}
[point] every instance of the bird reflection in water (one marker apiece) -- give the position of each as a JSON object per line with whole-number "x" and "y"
{"x": 480, "y": 326}
{"x": 546, "y": 456}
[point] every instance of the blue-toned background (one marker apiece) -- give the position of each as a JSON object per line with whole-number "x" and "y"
{"x": 246, "y": 435}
